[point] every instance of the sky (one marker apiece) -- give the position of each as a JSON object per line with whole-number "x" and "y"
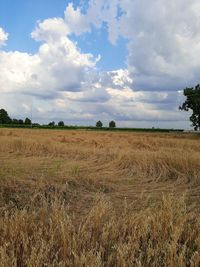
{"x": 84, "y": 61}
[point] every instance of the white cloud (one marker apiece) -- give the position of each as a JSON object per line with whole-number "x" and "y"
{"x": 164, "y": 42}
{"x": 3, "y": 37}
{"x": 121, "y": 78}
{"x": 57, "y": 66}
{"x": 98, "y": 11}
{"x": 78, "y": 23}
{"x": 163, "y": 38}
{"x": 50, "y": 30}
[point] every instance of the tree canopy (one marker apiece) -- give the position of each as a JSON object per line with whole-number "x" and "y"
{"x": 99, "y": 124}
{"x": 61, "y": 123}
{"x": 27, "y": 121}
{"x": 4, "y": 118}
{"x": 112, "y": 124}
{"x": 192, "y": 103}
{"x": 52, "y": 123}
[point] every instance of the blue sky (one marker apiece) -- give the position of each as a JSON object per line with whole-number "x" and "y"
{"x": 102, "y": 59}
{"x": 19, "y": 18}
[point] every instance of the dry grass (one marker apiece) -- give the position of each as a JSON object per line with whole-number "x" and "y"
{"x": 78, "y": 198}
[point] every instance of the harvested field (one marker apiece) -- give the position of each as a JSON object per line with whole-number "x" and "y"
{"x": 83, "y": 198}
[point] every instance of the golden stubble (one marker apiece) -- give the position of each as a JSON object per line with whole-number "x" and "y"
{"x": 84, "y": 198}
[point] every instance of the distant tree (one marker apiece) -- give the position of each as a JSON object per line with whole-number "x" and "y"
{"x": 112, "y": 124}
{"x": 35, "y": 124}
{"x": 15, "y": 121}
{"x": 52, "y": 123}
{"x": 21, "y": 121}
{"x": 99, "y": 124}
{"x": 27, "y": 121}
{"x": 4, "y": 118}
{"x": 61, "y": 124}
{"x": 192, "y": 102}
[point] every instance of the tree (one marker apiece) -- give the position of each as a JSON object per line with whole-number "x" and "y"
{"x": 4, "y": 118}
{"x": 192, "y": 102}
{"x": 52, "y": 123}
{"x": 112, "y": 124}
{"x": 15, "y": 121}
{"x": 21, "y": 121}
{"x": 27, "y": 121}
{"x": 99, "y": 124}
{"x": 61, "y": 124}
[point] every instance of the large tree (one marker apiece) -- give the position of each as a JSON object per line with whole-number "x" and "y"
{"x": 192, "y": 103}
{"x": 4, "y": 118}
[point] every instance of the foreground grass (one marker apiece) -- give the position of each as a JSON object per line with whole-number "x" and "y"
{"x": 99, "y": 199}
{"x": 162, "y": 236}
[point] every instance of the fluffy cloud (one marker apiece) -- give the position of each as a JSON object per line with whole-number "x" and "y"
{"x": 3, "y": 37}
{"x": 98, "y": 12}
{"x": 46, "y": 79}
{"x": 163, "y": 38}
{"x": 77, "y": 22}
{"x": 163, "y": 42}
{"x": 57, "y": 66}
{"x": 50, "y": 30}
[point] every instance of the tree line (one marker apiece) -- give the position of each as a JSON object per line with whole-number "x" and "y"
{"x": 6, "y": 119}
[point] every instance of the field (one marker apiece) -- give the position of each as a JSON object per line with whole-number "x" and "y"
{"x": 86, "y": 198}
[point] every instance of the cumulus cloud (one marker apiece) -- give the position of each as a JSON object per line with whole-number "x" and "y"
{"x": 50, "y": 30}
{"x": 3, "y": 37}
{"x": 164, "y": 45}
{"x": 77, "y": 22}
{"x": 98, "y": 12}
{"x": 57, "y": 66}
{"x": 163, "y": 38}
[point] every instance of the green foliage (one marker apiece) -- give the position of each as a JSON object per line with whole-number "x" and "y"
{"x": 112, "y": 124}
{"x": 61, "y": 124}
{"x": 36, "y": 125}
{"x": 192, "y": 102}
{"x": 21, "y": 121}
{"x": 99, "y": 124}
{"x": 27, "y": 121}
{"x": 15, "y": 121}
{"x": 4, "y": 118}
{"x": 52, "y": 123}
